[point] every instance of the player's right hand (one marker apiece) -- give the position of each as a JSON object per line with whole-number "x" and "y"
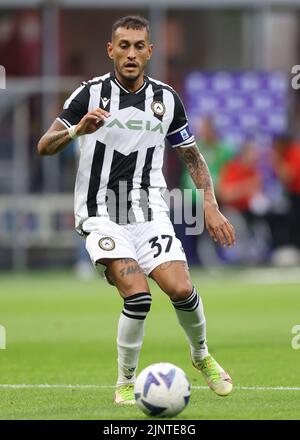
{"x": 218, "y": 226}
{"x": 91, "y": 122}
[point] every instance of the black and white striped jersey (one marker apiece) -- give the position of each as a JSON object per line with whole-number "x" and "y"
{"x": 120, "y": 168}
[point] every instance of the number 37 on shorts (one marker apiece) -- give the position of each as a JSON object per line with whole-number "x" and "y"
{"x": 150, "y": 243}
{"x": 155, "y": 242}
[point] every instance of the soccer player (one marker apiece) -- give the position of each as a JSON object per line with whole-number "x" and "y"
{"x": 121, "y": 120}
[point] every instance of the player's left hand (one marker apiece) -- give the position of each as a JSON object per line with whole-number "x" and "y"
{"x": 219, "y": 228}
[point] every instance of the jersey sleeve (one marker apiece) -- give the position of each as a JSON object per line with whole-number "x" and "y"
{"x": 75, "y": 107}
{"x": 179, "y": 133}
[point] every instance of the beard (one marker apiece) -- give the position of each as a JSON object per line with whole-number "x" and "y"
{"x": 129, "y": 77}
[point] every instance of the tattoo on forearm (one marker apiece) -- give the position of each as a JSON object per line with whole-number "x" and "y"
{"x": 198, "y": 170}
{"x": 54, "y": 141}
{"x": 58, "y": 140}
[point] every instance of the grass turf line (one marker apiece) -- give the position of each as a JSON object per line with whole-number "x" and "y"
{"x": 62, "y": 331}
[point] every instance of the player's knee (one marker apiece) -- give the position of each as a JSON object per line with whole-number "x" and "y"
{"x": 128, "y": 287}
{"x": 137, "y": 306}
{"x": 179, "y": 291}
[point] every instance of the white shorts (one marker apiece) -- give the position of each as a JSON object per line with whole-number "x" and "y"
{"x": 150, "y": 244}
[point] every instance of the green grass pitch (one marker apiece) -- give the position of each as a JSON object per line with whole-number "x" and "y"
{"x": 62, "y": 331}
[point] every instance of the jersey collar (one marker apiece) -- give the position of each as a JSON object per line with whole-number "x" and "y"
{"x": 122, "y": 87}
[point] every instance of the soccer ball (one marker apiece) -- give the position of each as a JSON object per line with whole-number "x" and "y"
{"x": 162, "y": 390}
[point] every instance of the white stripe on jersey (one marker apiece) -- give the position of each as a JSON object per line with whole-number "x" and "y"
{"x": 95, "y": 91}
{"x": 115, "y": 98}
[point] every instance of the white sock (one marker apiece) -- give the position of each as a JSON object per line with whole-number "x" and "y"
{"x": 130, "y": 335}
{"x": 191, "y": 317}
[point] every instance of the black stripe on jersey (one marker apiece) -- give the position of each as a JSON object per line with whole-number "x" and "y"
{"x": 119, "y": 187}
{"x": 77, "y": 108}
{"x": 95, "y": 177}
{"x": 145, "y": 184}
{"x": 179, "y": 118}
{"x": 105, "y": 95}
{"x": 79, "y": 105}
{"x": 136, "y": 100}
{"x": 157, "y": 96}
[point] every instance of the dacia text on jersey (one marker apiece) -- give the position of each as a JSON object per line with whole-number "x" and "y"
{"x": 135, "y": 124}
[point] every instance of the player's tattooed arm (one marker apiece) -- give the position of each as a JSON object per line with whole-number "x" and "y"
{"x": 54, "y": 140}
{"x": 199, "y": 172}
{"x": 58, "y": 137}
{"x": 219, "y": 228}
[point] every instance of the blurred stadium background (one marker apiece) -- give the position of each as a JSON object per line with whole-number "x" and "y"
{"x": 231, "y": 61}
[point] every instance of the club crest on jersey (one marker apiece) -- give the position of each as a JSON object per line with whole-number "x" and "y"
{"x": 158, "y": 108}
{"x": 107, "y": 244}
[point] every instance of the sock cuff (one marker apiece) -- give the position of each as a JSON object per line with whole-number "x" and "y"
{"x": 189, "y": 304}
{"x": 138, "y": 296}
{"x": 137, "y": 306}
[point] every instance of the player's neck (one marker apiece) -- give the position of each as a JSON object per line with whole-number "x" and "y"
{"x": 132, "y": 86}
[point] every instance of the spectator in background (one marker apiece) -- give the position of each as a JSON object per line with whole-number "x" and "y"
{"x": 240, "y": 191}
{"x": 216, "y": 152}
{"x": 240, "y": 180}
{"x": 286, "y": 164}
